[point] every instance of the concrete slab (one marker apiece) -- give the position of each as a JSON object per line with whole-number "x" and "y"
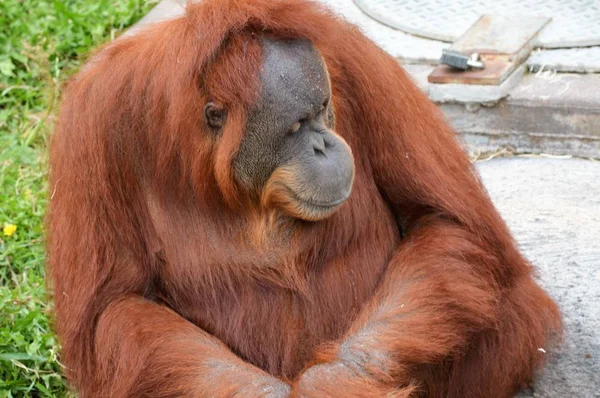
{"x": 545, "y": 113}
{"x": 578, "y": 60}
{"x": 548, "y": 88}
{"x": 552, "y": 206}
{"x": 526, "y": 130}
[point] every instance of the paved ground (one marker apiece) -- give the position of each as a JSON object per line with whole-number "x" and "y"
{"x": 552, "y": 207}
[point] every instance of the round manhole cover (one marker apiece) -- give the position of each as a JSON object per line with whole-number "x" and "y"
{"x": 575, "y": 23}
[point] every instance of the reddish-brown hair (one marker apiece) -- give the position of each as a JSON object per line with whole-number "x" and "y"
{"x": 131, "y": 142}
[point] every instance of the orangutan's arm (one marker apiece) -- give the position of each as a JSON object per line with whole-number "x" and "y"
{"x": 430, "y": 301}
{"x": 144, "y": 349}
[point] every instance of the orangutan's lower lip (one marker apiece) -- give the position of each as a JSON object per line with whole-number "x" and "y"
{"x": 322, "y": 205}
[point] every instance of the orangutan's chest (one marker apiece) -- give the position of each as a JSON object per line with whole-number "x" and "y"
{"x": 275, "y": 327}
{"x": 274, "y": 307}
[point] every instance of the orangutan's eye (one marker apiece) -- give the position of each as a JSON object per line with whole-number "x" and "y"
{"x": 214, "y": 115}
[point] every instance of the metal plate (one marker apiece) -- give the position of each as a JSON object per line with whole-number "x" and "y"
{"x": 575, "y": 23}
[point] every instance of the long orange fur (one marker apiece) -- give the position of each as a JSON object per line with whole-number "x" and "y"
{"x": 170, "y": 281}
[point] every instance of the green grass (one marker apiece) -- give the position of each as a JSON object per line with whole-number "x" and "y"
{"x": 41, "y": 44}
